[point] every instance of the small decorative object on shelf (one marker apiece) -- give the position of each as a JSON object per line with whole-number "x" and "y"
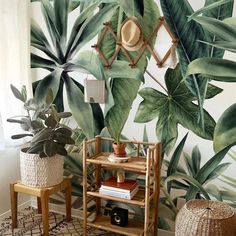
{"x": 205, "y": 218}
{"x": 146, "y": 197}
{"x": 120, "y": 176}
{"x": 119, "y": 149}
{"x": 113, "y": 158}
{"x": 119, "y": 216}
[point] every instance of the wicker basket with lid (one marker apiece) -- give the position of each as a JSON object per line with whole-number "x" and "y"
{"x": 205, "y": 218}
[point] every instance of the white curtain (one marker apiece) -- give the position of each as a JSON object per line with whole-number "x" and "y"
{"x": 14, "y": 62}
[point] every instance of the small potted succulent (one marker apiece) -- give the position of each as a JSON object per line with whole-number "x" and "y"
{"x": 41, "y": 161}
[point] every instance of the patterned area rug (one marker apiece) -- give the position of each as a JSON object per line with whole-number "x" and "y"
{"x": 30, "y": 223}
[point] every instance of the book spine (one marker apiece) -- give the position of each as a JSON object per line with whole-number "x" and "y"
{"x": 115, "y": 189}
{"x": 114, "y": 193}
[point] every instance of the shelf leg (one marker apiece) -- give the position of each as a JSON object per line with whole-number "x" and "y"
{"x": 147, "y": 193}
{"x": 85, "y": 188}
{"x": 98, "y": 181}
{"x": 157, "y": 171}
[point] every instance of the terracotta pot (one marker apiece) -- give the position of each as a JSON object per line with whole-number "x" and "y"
{"x": 119, "y": 149}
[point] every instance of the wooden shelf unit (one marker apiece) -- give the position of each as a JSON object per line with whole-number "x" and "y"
{"x": 148, "y": 166}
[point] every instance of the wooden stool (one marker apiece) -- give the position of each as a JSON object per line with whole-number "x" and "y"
{"x": 42, "y": 195}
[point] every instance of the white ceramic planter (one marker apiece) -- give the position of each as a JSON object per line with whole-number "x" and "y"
{"x": 40, "y": 172}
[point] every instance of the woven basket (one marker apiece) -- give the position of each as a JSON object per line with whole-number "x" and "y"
{"x": 40, "y": 172}
{"x": 205, "y": 218}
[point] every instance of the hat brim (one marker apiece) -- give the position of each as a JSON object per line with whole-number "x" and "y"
{"x": 135, "y": 47}
{"x": 139, "y": 43}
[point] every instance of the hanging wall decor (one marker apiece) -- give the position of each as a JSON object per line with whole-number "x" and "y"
{"x": 132, "y": 39}
{"x": 95, "y": 91}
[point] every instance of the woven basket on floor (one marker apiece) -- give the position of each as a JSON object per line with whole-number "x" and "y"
{"x": 40, "y": 172}
{"x": 205, "y": 218}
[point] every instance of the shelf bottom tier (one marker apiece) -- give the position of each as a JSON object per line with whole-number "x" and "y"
{"x": 134, "y": 228}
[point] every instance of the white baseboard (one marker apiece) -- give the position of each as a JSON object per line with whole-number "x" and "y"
{"x": 21, "y": 206}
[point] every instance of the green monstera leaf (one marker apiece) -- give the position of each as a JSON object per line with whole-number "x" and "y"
{"x": 175, "y": 108}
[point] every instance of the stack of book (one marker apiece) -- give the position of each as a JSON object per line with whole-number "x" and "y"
{"x": 111, "y": 187}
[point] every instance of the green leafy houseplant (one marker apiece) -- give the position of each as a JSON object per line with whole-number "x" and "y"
{"x": 42, "y": 123}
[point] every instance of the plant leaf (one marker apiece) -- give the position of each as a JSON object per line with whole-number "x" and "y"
{"x": 220, "y": 13}
{"x": 214, "y": 68}
{"x": 18, "y": 136}
{"x": 218, "y": 171}
{"x": 42, "y": 135}
{"x": 212, "y": 4}
{"x": 92, "y": 27}
{"x": 214, "y": 191}
{"x": 224, "y": 134}
{"x": 206, "y": 170}
{"x": 173, "y": 109}
{"x": 176, "y": 13}
{"x": 50, "y": 81}
{"x": 61, "y": 9}
{"x": 230, "y": 46}
{"x": 50, "y": 148}
{"x": 50, "y": 122}
{"x": 123, "y": 98}
{"x": 40, "y": 62}
{"x": 196, "y": 160}
{"x": 82, "y": 112}
{"x": 50, "y": 19}
{"x": 87, "y": 61}
{"x": 78, "y": 24}
{"x": 121, "y": 69}
{"x": 191, "y": 180}
{"x": 17, "y": 93}
{"x": 189, "y": 164}
{"x": 218, "y": 28}
{"x": 174, "y": 161}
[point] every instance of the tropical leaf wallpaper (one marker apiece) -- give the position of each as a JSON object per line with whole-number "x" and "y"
{"x": 62, "y": 33}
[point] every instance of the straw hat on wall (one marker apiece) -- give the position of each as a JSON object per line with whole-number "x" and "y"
{"x": 131, "y": 34}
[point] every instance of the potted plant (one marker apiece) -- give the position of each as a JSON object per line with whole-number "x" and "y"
{"x": 119, "y": 148}
{"x": 41, "y": 160}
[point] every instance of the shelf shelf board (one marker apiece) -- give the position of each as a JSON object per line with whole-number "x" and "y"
{"x": 138, "y": 199}
{"x": 134, "y": 228}
{"x": 135, "y": 163}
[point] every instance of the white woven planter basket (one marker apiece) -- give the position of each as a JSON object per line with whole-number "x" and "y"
{"x": 40, "y": 172}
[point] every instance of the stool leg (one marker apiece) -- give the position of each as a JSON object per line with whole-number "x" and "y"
{"x": 39, "y": 205}
{"x": 68, "y": 200}
{"x": 45, "y": 211}
{"x": 13, "y": 206}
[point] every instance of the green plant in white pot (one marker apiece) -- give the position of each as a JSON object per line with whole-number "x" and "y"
{"x": 41, "y": 161}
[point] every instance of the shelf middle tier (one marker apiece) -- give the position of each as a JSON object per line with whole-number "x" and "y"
{"x": 136, "y": 164}
{"x": 138, "y": 199}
